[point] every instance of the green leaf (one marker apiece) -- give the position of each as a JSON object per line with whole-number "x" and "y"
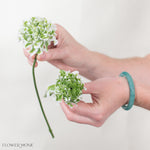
{"x": 27, "y": 44}
{"x": 39, "y": 51}
{"x": 46, "y": 45}
{"x": 32, "y": 50}
{"x": 52, "y": 32}
{"x": 25, "y": 23}
{"x": 42, "y": 44}
{"x": 52, "y": 87}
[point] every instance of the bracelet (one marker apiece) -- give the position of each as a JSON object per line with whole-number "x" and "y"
{"x": 132, "y": 90}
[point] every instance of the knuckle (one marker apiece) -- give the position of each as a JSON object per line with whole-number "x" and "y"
{"x": 98, "y": 117}
{"x": 69, "y": 117}
{"x": 74, "y": 109}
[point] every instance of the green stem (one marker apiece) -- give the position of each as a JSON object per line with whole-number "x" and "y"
{"x": 37, "y": 93}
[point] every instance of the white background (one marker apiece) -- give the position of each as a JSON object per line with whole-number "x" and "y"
{"x": 117, "y": 28}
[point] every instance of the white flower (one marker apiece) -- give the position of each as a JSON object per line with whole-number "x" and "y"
{"x": 75, "y": 72}
{"x": 38, "y": 33}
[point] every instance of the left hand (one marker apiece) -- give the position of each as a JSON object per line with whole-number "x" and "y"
{"x": 108, "y": 94}
{"x": 67, "y": 55}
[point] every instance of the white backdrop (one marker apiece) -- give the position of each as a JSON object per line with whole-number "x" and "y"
{"x": 117, "y": 28}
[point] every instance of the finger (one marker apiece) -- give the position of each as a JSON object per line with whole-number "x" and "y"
{"x": 57, "y": 30}
{"x": 31, "y": 59}
{"x": 89, "y": 88}
{"x": 95, "y": 112}
{"x": 94, "y": 87}
{"x": 86, "y": 109}
{"x": 27, "y": 54}
{"x": 75, "y": 117}
{"x": 52, "y": 54}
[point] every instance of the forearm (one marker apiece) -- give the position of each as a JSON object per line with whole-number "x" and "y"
{"x": 96, "y": 65}
{"x": 142, "y": 93}
{"x": 103, "y": 66}
{"x": 138, "y": 67}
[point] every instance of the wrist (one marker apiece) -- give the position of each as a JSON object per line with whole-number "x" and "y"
{"x": 100, "y": 65}
{"x": 87, "y": 63}
{"x": 142, "y": 94}
{"x": 91, "y": 65}
{"x": 96, "y": 65}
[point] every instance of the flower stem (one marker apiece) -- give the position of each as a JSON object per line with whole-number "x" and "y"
{"x": 37, "y": 93}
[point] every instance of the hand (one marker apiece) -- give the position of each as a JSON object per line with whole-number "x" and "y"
{"x": 108, "y": 94}
{"x": 67, "y": 55}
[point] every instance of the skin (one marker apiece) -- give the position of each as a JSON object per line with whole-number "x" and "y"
{"x": 108, "y": 91}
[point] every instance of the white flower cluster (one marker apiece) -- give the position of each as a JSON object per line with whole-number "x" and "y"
{"x": 68, "y": 87}
{"x": 37, "y": 33}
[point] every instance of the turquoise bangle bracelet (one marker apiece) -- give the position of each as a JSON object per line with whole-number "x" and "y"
{"x": 132, "y": 90}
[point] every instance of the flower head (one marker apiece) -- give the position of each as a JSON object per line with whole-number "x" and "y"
{"x": 38, "y": 33}
{"x": 68, "y": 87}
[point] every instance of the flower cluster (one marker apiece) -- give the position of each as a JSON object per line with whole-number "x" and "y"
{"x": 38, "y": 33}
{"x": 68, "y": 87}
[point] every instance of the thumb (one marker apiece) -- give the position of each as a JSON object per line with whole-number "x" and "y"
{"x": 51, "y": 54}
{"x": 89, "y": 88}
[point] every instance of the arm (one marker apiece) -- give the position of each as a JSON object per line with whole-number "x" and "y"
{"x": 142, "y": 95}
{"x": 71, "y": 55}
{"x": 104, "y": 66}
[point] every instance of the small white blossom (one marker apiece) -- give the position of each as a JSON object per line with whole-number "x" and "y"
{"x": 37, "y": 33}
{"x": 67, "y": 87}
{"x": 75, "y": 72}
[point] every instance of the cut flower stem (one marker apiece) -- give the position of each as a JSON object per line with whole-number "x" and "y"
{"x": 38, "y": 96}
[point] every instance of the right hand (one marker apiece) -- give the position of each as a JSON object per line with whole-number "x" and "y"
{"x": 108, "y": 94}
{"x": 67, "y": 55}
